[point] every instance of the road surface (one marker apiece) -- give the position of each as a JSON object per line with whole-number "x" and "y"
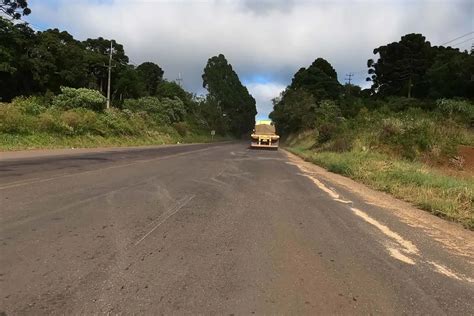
{"x": 215, "y": 229}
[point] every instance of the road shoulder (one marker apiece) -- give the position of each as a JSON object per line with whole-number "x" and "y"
{"x": 452, "y": 236}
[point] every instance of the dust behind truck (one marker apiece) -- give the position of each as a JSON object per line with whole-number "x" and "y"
{"x": 264, "y": 135}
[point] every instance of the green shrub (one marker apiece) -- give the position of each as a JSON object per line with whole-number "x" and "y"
{"x": 50, "y": 122}
{"x": 166, "y": 110}
{"x": 398, "y": 104}
{"x": 81, "y": 121}
{"x": 116, "y": 122}
{"x": 457, "y": 108}
{"x": 14, "y": 120}
{"x": 326, "y": 132}
{"x": 71, "y": 98}
{"x": 327, "y": 111}
{"x": 30, "y": 105}
{"x": 145, "y": 104}
{"x": 341, "y": 144}
{"x": 174, "y": 109}
{"x": 181, "y": 128}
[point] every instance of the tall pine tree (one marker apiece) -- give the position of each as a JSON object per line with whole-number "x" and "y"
{"x": 231, "y": 96}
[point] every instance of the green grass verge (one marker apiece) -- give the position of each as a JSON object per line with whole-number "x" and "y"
{"x": 10, "y": 142}
{"x": 445, "y": 196}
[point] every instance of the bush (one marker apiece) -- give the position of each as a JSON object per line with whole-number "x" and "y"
{"x": 398, "y": 104}
{"x": 118, "y": 123}
{"x": 14, "y": 120}
{"x": 166, "y": 110}
{"x": 181, "y": 128}
{"x": 71, "y": 98}
{"x": 327, "y": 111}
{"x": 30, "y": 105}
{"x": 326, "y": 132}
{"x": 81, "y": 121}
{"x": 341, "y": 144}
{"x": 457, "y": 108}
{"x": 174, "y": 109}
{"x": 50, "y": 122}
{"x": 145, "y": 104}
{"x": 408, "y": 132}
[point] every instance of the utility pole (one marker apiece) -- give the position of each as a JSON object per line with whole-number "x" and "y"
{"x": 179, "y": 80}
{"x": 349, "y": 77}
{"x": 110, "y": 74}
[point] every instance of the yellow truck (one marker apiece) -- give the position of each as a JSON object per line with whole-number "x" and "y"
{"x": 264, "y": 135}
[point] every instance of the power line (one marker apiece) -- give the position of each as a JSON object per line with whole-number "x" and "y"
{"x": 179, "y": 80}
{"x": 457, "y": 38}
{"x": 469, "y": 39}
{"x": 349, "y": 77}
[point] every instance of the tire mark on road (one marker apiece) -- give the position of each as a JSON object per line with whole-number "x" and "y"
{"x": 160, "y": 220}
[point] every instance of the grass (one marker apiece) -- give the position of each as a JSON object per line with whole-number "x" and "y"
{"x": 427, "y": 188}
{"x": 9, "y": 142}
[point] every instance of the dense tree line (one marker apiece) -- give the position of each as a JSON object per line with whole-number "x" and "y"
{"x": 410, "y": 70}
{"x": 40, "y": 62}
{"x": 412, "y": 67}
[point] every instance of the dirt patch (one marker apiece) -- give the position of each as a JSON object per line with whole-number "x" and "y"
{"x": 461, "y": 166}
{"x": 467, "y": 154}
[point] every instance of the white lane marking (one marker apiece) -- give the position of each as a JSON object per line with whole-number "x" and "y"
{"x": 343, "y": 201}
{"x": 321, "y": 185}
{"x": 330, "y": 191}
{"x": 394, "y": 252}
{"x": 32, "y": 181}
{"x": 407, "y": 246}
{"x": 161, "y": 219}
{"x": 449, "y": 273}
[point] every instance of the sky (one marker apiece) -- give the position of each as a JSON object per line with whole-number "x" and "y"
{"x": 265, "y": 41}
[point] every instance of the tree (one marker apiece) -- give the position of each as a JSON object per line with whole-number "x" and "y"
{"x": 128, "y": 84}
{"x": 15, "y": 8}
{"x": 450, "y": 74}
{"x": 401, "y": 67}
{"x": 297, "y": 107}
{"x": 97, "y": 56}
{"x": 294, "y": 110}
{"x": 151, "y": 75}
{"x": 16, "y": 41}
{"x": 57, "y": 59}
{"x": 319, "y": 79}
{"x": 213, "y": 116}
{"x": 231, "y": 96}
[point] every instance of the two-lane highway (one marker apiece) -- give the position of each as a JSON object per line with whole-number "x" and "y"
{"x": 212, "y": 229}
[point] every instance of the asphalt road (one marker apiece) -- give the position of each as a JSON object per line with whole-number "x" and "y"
{"x": 210, "y": 229}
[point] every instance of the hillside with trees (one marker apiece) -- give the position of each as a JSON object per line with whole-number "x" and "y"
{"x": 411, "y": 133}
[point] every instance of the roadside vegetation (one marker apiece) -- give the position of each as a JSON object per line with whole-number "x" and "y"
{"x": 77, "y": 118}
{"x": 414, "y": 159}
{"x": 403, "y": 136}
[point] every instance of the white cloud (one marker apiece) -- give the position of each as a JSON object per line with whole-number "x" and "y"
{"x": 269, "y": 38}
{"x": 263, "y": 94}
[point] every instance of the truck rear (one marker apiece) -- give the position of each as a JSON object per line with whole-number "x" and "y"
{"x": 264, "y": 135}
